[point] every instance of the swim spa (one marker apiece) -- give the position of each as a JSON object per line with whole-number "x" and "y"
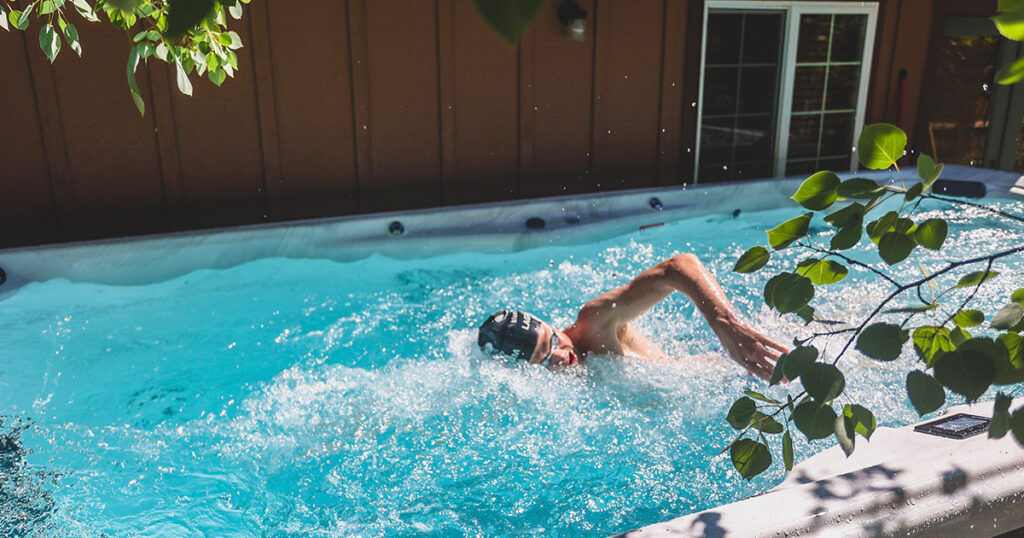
{"x": 322, "y": 378}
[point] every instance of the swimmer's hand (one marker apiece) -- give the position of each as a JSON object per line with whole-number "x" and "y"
{"x": 748, "y": 347}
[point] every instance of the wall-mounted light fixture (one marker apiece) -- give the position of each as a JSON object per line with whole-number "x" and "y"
{"x": 574, "y": 17}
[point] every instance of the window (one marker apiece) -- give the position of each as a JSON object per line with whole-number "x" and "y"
{"x": 783, "y": 87}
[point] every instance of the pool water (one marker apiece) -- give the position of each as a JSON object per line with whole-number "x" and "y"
{"x": 290, "y": 397}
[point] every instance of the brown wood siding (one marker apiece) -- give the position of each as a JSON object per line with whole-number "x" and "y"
{"x": 371, "y": 105}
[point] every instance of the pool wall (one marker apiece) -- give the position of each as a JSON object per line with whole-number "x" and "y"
{"x": 494, "y": 227}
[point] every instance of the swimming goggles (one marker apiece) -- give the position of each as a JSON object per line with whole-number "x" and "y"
{"x": 554, "y": 344}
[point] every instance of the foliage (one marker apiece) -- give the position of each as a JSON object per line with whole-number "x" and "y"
{"x": 192, "y": 35}
{"x": 1010, "y": 23}
{"x": 951, "y": 358}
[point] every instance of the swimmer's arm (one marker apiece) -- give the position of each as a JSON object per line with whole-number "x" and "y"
{"x": 686, "y": 274}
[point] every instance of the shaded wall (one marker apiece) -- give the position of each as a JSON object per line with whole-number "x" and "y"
{"x": 371, "y": 105}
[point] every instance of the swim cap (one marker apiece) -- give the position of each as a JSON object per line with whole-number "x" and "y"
{"x": 511, "y": 332}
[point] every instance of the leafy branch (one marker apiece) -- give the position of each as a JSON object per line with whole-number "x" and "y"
{"x": 192, "y": 35}
{"x": 952, "y": 358}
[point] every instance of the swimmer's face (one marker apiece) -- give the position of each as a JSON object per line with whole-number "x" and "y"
{"x": 562, "y": 353}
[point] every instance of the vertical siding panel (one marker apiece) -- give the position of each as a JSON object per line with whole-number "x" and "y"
{"x": 361, "y": 102}
{"x": 161, "y": 108}
{"x": 53, "y": 142}
{"x": 882, "y": 86}
{"x": 485, "y": 111}
{"x": 28, "y": 213}
{"x": 672, "y": 74}
{"x": 218, "y": 135}
{"x": 691, "y": 86}
{"x": 401, "y": 51}
{"x": 558, "y": 112}
{"x": 446, "y": 54}
{"x": 312, "y": 78}
{"x": 524, "y": 114}
{"x": 264, "y": 80}
{"x": 112, "y": 154}
{"x": 628, "y": 80}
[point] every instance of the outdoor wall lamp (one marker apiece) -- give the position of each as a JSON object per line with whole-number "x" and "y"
{"x": 574, "y": 17}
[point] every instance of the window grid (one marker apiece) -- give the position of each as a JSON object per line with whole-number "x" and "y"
{"x": 823, "y": 111}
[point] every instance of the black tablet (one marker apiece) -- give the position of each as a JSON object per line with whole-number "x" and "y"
{"x": 958, "y": 426}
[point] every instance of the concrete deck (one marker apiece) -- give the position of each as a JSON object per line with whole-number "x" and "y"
{"x": 901, "y": 483}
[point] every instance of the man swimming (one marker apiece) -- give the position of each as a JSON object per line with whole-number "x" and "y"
{"x": 602, "y": 325}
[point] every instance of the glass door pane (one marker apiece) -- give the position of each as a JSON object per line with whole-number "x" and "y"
{"x": 826, "y": 82}
{"x": 741, "y": 79}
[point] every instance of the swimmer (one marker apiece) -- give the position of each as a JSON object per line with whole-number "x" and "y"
{"x": 602, "y": 325}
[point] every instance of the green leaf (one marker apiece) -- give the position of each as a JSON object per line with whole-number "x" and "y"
{"x": 788, "y": 292}
{"x": 1011, "y": 24}
{"x": 849, "y": 215}
{"x": 798, "y": 360}
{"x": 765, "y": 423}
{"x": 969, "y": 318}
{"x": 882, "y": 341}
{"x": 966, "y": 374}
{"x": 843, "y": 427}
{"x": 863, "y": 419}
{"x": 1010, "y": 5}
{"x": 133, "y": 62}
{"x": 784, "y": 234}
{"x": 911, "y": 309}
{"x": 880, "y": 145}
{"x": 741, "y": 412}
{"x": 71, "y": 36}
{"x": 508, "y": 18}
{"x": 805, "y": 313}
{"x": 184, "y": 15}
{"x": 236, "y": 40}
{"x": 847, "y": 237}
{"x": 23, "y": 17}
{"x": 1000, "y": 423}
{"x": 184, "y": 84}
{"x": 1008, "y": 316}
{"x": 859, "y": 188}
{"x": 1017, "y": 425}
{"x": 930, "y": 340}
{"x": 914, "y": 191}
{"x": 959, "y": 336}
{"x": 815, "y": 419}
{"x": 975, "y": 278}
{"x": 49, "y": 42}
{"x": 235, "y": 11}
{"x": 818, "y": 191}
{"x": 787, "y": 451}
{"x": 778, "y": 372}
{"x": 749, "y": 457}
{"x": 894, "y": 247}
{"x": 926, "y": 394}
{"x": 823, "y": 382}
{"x": 927, "y": 170}
{"x": 877, "y": 228}
{"x": 15, "y": 17}
{"x": 761, "y": 397}
{"x": 752, "y": 260}
{"x": 216, "y": 76}
{"x": 821, "y": 272}
{"x": 1011, "y": 74}
{"x": 1018, "y": 297}
{"x": 1012, "y": 342}
{"x": 931, "y": 233}
{"x": 3, "y": 19}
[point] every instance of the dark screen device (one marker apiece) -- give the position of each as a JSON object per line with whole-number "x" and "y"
{"x": 958, "y": 426}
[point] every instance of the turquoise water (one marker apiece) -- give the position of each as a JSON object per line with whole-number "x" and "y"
{"x": 314, "y": 398}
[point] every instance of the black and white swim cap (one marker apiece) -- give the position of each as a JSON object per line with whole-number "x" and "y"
{"x": 511, "y": 332}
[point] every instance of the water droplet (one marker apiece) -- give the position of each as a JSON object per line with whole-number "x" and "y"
{"x": 693, "y": 104}
{"x": 725, "y": 167}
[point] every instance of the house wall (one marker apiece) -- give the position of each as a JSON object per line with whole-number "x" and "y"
{"x": 371, "y": 105}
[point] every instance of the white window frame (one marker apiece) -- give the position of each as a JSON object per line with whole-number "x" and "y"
{"x": 791, "y": 33}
